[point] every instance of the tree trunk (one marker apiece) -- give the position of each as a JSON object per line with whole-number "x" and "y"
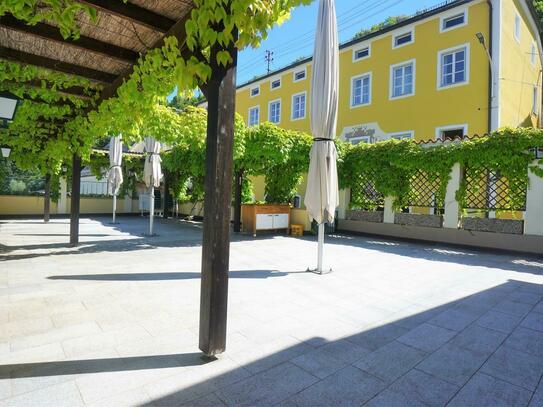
{"x": 74, "y": 205}
{"x": 221, "y": 92}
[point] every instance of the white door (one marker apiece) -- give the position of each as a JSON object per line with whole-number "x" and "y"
{"x": 264, "y": 221}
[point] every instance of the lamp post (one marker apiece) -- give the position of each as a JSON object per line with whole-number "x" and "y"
{"x": 482, "y": 40}
{"x": 6, "y": 151}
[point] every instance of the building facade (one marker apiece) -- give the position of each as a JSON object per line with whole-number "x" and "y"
{"x": 428, "y": 77}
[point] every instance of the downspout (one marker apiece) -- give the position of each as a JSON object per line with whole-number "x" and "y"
{"x": 490, "y": 69}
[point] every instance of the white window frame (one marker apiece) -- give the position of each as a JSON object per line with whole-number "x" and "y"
{"x": 355, "y": 50}
{"x": 257, "y": 107}
{"x": 292, "y": 118}
{"x": 409, "y": 133}
{"x": 304, "y": 70}
{"x": 251, "y": 91}
{"x": 535, "y": 100}
{"x": 449, "y": 16}
{"x": 441, "y": 129}
{"x": 275, "y": 80}
{"x": 412, "y": 62}
{"x": 361, "y": 76}
{"x": 269, "y": 110}
{"x": 440, "y": 54}
{"x": 517, "y": 27}
{"x": 401, "y": 34}
{"x": 363, "y": 139}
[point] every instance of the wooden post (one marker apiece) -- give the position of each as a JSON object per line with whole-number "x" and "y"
{"x": 47, "y": 199}
{"x": 74, "y": 205}
{"x": 237, "y": 199}
{"x": 221, "y": 93}
{"x": 166, "y": 194}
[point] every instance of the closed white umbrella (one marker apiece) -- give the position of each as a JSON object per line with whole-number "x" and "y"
{"x": 322, "y": 195}
{"x": 152, "y": 173}
{"x": 115, "y": 173}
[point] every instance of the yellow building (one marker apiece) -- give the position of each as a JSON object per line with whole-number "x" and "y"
{"x": 427, "y": 77}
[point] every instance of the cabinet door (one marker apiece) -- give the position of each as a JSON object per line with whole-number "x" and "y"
{"x": 280, "y": 221}
{"x": 264, "y": 221}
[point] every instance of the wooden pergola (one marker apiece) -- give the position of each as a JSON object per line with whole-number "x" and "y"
{"x": 106, "y": 53}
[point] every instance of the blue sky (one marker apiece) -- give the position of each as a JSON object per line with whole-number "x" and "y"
{"x": 294, "y": 39}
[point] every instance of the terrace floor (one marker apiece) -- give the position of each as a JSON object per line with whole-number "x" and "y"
{"x": 115, "y": 321}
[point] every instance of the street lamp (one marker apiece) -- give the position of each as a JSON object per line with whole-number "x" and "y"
{"x": 482, "y": 40}
{"x": 8, "y": 106}
{"x": 6, "y": 151}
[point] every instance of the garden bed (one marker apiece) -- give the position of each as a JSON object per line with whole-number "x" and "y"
{"x": 515, "y": 227}
{"x": 366, "y": 216}
{"x": 411, "y": 219}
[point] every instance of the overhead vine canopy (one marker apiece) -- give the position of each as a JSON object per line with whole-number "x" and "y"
{"x": 90, "y": 69}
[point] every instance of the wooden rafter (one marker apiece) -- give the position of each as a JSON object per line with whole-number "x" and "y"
{"x": 60, "y": 66}
{"x": 134, "y": 13}
{"x": 49, "y": 32}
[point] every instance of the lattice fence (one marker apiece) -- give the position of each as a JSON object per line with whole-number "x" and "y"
{"x": 424, "y": 191}
{"x": 489, "y": 190}
{"x": 366, "y": 196}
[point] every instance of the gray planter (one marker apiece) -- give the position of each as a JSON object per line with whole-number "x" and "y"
{"x": 366, "y": 216}
{"x": 515, "y": 227}
{"x": 412, "y": 219}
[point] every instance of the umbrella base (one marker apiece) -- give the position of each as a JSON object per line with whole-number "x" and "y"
{"x": 316, "y": 271}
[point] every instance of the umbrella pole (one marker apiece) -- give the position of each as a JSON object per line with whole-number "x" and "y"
{"x": 151, "y": 209}
{"x": 321, "y": 248}
{"x": 114, "y": 207}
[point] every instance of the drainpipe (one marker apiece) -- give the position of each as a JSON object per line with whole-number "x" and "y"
{"x": 490, "y": 69}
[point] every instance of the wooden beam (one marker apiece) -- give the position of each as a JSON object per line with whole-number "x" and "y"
{"x": 136, "y": 14}
{"x": 74, "y": 204}
{"x": 177, "y": 31}
{"x": 217, "y": 202}
{"x": 49, "y": 32}
{"x": 77, "y": 91}
{"x": 55, "y": 65}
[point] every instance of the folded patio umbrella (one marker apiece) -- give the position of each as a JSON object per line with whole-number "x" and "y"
{"x": 152, "y": 173}
{"x": 322, "y": 195}
{"x": 115, "y": 173}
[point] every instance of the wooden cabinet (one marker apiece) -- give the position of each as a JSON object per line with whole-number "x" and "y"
{"x": 265, "y": 217}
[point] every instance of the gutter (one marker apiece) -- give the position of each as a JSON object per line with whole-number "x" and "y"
{"x": 490, "y": 70}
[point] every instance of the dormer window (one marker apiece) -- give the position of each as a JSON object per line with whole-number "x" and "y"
{"x": 361, "y": 53}
{"x": 299, "y": 75}
{"x": 255, "y": 91}
{"x": 275, "y": 84}
{"x": 403, "y": 39}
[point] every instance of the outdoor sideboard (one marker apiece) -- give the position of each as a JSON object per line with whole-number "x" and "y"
{"x": 256, "y": 217}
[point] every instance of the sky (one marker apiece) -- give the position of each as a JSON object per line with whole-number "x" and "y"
{"x": 294, "y": 39}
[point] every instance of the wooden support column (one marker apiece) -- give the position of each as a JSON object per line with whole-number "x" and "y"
{"x": 221, "y": 93}
{"x": 237, "y": 201}
{"x": 47, "y": 199}
{"x": 74, "y": 206}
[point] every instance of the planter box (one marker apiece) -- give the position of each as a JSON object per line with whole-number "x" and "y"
{"x": 256, "y": 217}
{"x": 367, "y": 216}
{"x": 515, "y": 227}
{"x": 411, "y": 219}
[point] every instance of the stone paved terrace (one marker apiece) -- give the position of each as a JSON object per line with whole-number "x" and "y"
{"x": 115, "y": 322}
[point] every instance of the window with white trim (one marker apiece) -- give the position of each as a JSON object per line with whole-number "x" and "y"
{"x": 361, "y": 140}
{"x": 517, "y": 27}
{"x": 299, "y": 75}
{"x": 402, "y": 79}
{"x": 452, "y": 132}
{"x": 361, "y": 53}
{"x": 298, "y": 106}
{"x": 535, "y": 99}
{"x": 407, "y": 135}
{"x": 403, "y": 39}
{"x": 274, "y": 115}
{"x": 255, "y": 91}
{"x": 361, "y": 90}
{"x": 275, "y": 84}
{"x": 453, "y": 67}
{"x": 254, "y": 116}
{"x": 453, "y": 21}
